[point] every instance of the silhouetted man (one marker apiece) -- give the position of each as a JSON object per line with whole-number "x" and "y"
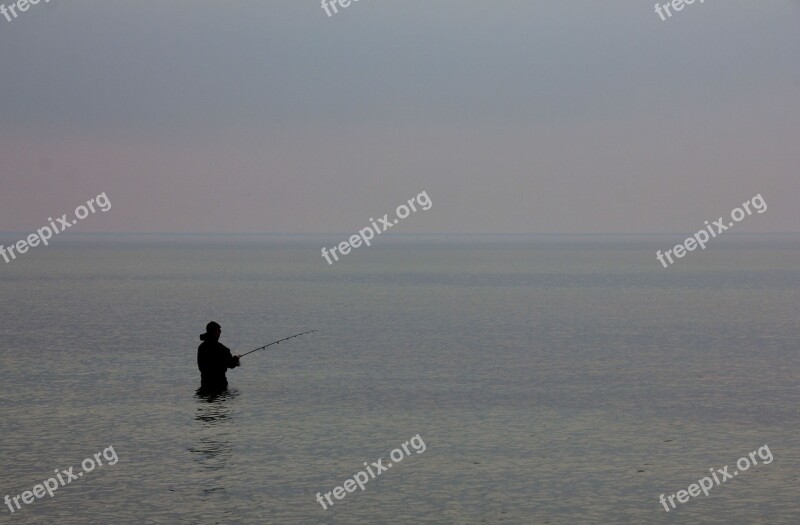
{"x": 214, "y": 359}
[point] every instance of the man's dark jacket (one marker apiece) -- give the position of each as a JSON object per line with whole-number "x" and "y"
{"x": 213, "y": 360}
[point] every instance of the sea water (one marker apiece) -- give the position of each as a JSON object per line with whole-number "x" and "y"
{"x": 553, "y": 379}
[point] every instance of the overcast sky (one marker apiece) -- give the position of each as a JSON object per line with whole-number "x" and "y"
{"x": 516, "y": 116}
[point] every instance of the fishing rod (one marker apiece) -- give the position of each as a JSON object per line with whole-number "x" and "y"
{"x": 278, "y": 341}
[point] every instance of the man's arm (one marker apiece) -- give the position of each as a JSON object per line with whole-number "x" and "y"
{"x": 232, "y": 360}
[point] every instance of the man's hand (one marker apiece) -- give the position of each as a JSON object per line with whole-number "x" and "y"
{"x": 236, "y": 360}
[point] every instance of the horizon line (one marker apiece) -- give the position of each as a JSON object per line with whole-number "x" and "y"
{"x": 437, "y": 234}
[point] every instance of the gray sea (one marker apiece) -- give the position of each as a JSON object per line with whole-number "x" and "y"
{"x": 552, "y": 379}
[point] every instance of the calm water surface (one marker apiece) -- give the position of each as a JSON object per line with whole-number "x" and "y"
{"x": 553, "y": 380}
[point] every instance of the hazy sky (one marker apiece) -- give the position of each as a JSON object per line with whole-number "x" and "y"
{"x": 516, "y": 116}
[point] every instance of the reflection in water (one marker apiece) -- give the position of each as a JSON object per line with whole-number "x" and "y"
{"x": 213, "y": 429}
{"x": 214, "y": 417}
